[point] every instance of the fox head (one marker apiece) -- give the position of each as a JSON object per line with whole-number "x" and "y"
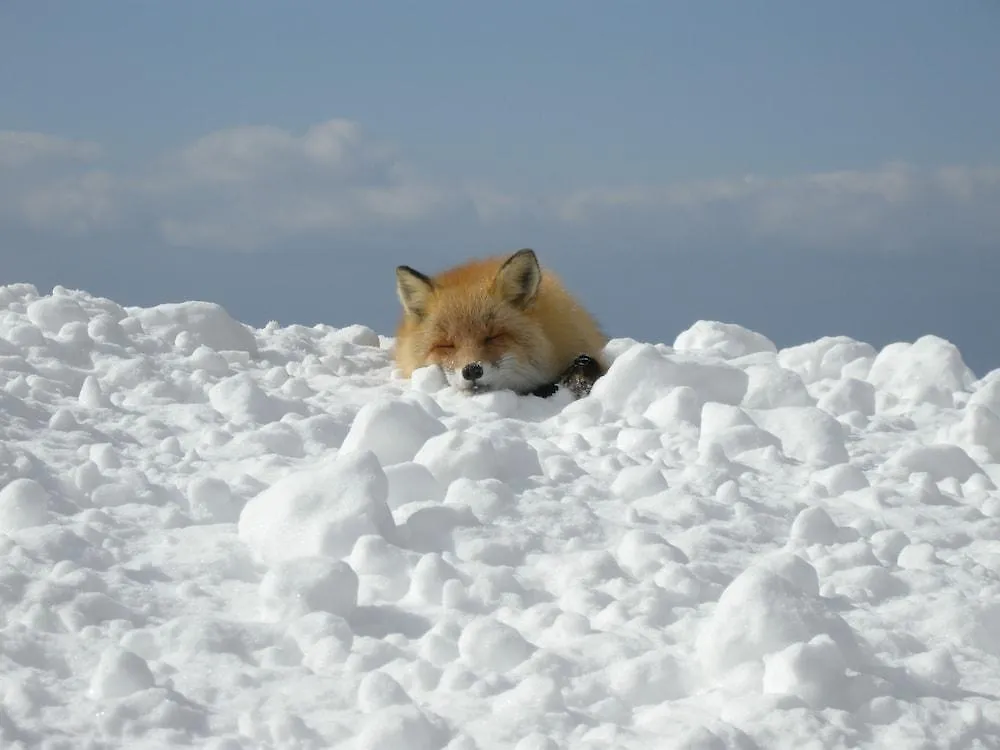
{"x": 476, "y": 324}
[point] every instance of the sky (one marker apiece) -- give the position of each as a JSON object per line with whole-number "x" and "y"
{"x": 802, "y": 169}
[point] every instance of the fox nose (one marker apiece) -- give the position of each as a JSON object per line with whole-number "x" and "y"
{"x": 472, "y": 371}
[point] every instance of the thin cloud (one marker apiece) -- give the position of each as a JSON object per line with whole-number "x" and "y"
{"x": 891, "y": 207}
{"x": 262, "y": 187}
{"x": 250, "y": 187}
{"x": 22, "y": 148}
{"x": 75, "y": 205}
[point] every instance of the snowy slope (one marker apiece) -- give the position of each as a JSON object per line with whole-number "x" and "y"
{"x": 219, "y": 537}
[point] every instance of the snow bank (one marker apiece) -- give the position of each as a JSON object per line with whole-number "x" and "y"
{"x": 219, "y": 537}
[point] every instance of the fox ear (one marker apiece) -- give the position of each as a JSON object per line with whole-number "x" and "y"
{"x": 414, "y": 290}
{"x": 519, "y": 277}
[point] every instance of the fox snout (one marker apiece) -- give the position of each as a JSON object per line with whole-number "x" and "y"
{"x": 475, "y": 375}
{"x": 472, "y": 372}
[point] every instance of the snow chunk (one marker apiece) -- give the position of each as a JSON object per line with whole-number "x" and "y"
{"x": 935, "y": 666}
{"x": 209, "y": 360}
{"x": 240, "y": 399}
{"x": 987, "y": 392}
{"x": 717, "y": 418}
{"x": 488, "y": 644}
{"x": 643, "y": 553}
{"x": 980, "y": 427}
{"x": 207, "y": 324}
{"x": 393, "y": 430}
{"x": 23, "y": 503}
{"x": 814, "y": 526}
{"x": 680, "y": 405}
{"x": 725, "y": 340}
{"x": 826, "y": 358}
{"x": 634, "y": 482}
{"x": 457, "y": 454}
{"x": 888, "y": 543}
{"x": 91, "y": 396}
{"x": 50, "y": 314}
{"x": 358, "y": 335}
{"x": 378, "y": 690}
{"x": 732, "y": 430}
{"x": 534, "y": 696}
{"x": 428, "y": 379}
{"x": 940, "y": 461}
{"x": 931, "y": 369}
{"x": 841, "y": 478}
{"x": 762, "y": 612}
{"x": 296, "y": 587}
{"x": 120, "y": 673}
{"x": 106, "y": 329}
{"x": 849, "y": 395}
{"x": 429, "y": 577}
{"x": 411, "y": 482}
{"x": 114, "y": 494}
{"x": 813, "y": 671}
{"x": 643, "y": 374}
{"x": 211, "y": 501}
{"x": 769, "y": 387}
{"x": 487, "y": 498}
{"x": 401, "y": 728}
{"x": 373, "y": 555}
{"x": 918, "y": 556}
{"x": 318, "y": 512}
{"x": 63, "y": 420}
{"x": 807, "y": 434}
{"x": 319, "y": 626}
{"x": 536, "y": 741}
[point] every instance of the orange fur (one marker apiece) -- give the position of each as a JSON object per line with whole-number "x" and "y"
{"x": 505, "y": 313}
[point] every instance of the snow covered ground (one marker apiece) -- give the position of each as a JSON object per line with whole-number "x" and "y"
{"x": 219, "y": 537}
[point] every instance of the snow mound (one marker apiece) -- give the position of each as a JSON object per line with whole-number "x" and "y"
{"x": 724, "y": 340}
{"x": 940, "y": 461}
{"x": 828, "y": 358}
{"x": 761, "y": 614}
{"x": 393, "y": 430}
{"x": 644, "y": 374}
{"x": 202, "y": 323}
{"x": 218, "y": 537}
{"x": 120, "y": 673}
{"x": 240, "y": 399}
{"x": 318, "y": 512}
{"x": 930, "y": 369}
{"x": 302, "y": 585}
{"x": 24, "y": 503}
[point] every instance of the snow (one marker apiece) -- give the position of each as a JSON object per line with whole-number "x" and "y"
{"x": 221, "y": 537}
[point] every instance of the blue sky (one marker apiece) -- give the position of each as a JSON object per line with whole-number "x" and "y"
{"x": 247, "y": 151}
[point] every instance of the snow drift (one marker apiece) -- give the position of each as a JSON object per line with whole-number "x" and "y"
{"x": 220, "y": 537}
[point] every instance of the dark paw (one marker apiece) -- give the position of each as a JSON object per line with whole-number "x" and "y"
{"x": 580, "y": 376}
{"x": 545, "y": 391}
{"x": 585, "y": 365}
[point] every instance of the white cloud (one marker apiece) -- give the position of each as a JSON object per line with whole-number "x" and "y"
{"x": 263, "y": 187}
{"x": 20, "y": 149}
{"x": 890, "y": 207}
{"x": 75, "y": 204}
{"x": 250, "y": 187}
{"x": 47, "y": 182}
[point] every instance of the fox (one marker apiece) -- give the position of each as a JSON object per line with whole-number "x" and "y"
{"x": 498, "y": 323}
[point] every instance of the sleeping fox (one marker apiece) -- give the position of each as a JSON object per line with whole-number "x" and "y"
{"x": 498, "y": 323}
